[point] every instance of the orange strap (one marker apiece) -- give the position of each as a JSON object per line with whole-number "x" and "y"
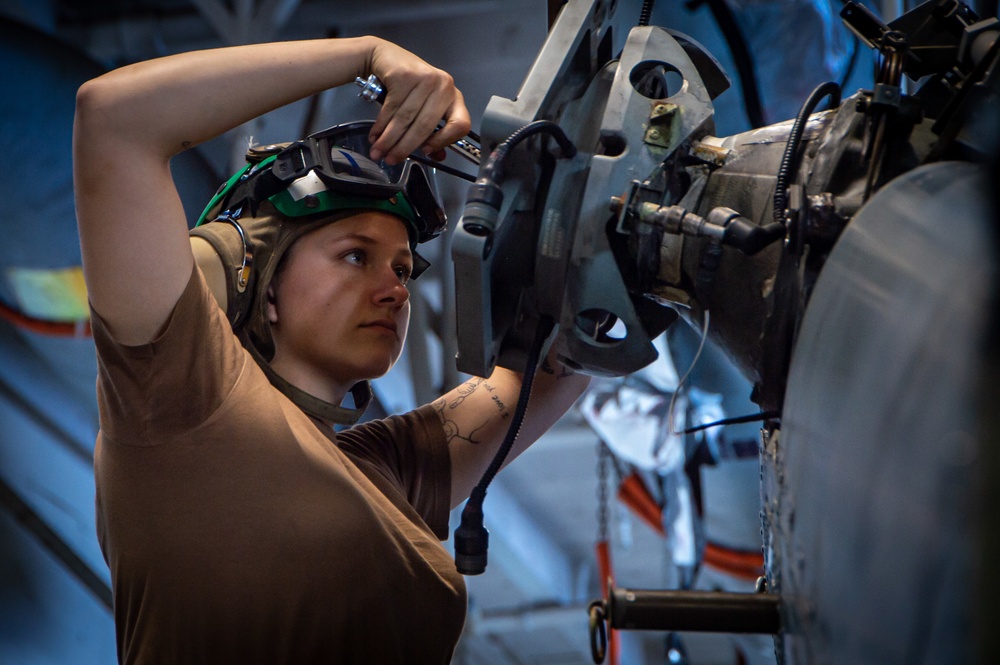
{"x": 738, "y": 563}
{"x": 634, "y": 494}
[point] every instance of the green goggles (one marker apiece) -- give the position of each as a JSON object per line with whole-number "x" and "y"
{"x": 329, "y": 171}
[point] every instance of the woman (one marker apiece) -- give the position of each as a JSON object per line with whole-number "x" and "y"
{"x": 239, "y": 528}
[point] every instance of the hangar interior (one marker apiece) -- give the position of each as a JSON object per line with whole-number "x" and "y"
{"x": 695, "y": 522}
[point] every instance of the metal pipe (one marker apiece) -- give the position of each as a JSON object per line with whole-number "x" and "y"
{"x": 705, "y": 611}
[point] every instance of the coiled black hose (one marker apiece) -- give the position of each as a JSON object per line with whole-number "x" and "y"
{"x": 790, "y": 160}
{"x": 646, "y": 13}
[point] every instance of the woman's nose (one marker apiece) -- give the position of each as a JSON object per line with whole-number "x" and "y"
{"x": 391, "y": 288}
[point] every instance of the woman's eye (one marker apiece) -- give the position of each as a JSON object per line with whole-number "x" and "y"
{"x": 355, "y": 256}
{"x": 403, "y": 273}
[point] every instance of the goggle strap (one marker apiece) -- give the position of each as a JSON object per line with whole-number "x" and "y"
{"x": 258, "y": 187}
{"x": 293, "y": 162}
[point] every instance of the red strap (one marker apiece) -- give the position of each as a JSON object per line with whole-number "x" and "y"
{"x": 634, "y": 494}
{"x": 738, "y": 563}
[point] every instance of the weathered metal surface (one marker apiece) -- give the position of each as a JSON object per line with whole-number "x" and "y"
{"x": 870, "y": 492}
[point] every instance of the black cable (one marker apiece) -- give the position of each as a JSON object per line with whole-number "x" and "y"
{"x": 471, "y": 537}
{"x": 484, "y": 198}
{"x": 492, "y": 170}
{"x": 482, "y": 208}
{"x": 789, "y": 161}
{"x": 763, "y": 415}
{"x": 541, "y": 334}
{"x": 742, "y": 58}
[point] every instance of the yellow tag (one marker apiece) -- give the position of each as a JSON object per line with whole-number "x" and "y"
{"x": 51, "y": 295}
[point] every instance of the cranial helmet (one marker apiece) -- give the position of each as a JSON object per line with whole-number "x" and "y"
{"x": 284, "y": 192}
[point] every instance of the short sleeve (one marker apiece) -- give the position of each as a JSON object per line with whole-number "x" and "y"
{"x": 151, "y": 393}
{"x": 409, "y": 452}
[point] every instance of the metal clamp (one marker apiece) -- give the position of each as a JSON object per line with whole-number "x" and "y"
{"x": 243, "y": 273}
{"x": 598, "y": 631}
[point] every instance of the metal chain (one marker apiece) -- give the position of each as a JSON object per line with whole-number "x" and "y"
{"x": 602, "y": 491}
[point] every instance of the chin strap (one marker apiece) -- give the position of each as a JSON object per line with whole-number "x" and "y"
{"x": 314, "y": 406}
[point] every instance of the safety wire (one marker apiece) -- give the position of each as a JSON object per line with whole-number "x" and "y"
{"x": 683, "y": 381}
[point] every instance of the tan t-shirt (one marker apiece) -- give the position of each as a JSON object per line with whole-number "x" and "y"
{"x": 238, "y": 531}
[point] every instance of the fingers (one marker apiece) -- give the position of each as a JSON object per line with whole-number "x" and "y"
{"x": 418, "y": 98}
{"x": 438, "y": 155}
{"x": 457, "y": 125}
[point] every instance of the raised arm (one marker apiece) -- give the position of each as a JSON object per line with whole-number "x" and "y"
{"x": 132, "y": 121}
{"x": 476, "y": 416}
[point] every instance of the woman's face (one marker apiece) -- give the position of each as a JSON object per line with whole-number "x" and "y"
{"x": 339, "y": 308}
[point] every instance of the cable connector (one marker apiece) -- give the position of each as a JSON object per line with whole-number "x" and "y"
{"x": 482, "y": 208}
{"x": 471, "y": 537}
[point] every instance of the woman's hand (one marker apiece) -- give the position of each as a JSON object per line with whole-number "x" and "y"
{"x": 418, "y": 97}
{"x": 131, "y": 121}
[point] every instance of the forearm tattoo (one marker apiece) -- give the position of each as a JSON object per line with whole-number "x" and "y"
{"x": 444, "y": 407}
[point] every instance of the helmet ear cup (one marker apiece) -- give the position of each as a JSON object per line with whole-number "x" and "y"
{"x": 237, "y": 277}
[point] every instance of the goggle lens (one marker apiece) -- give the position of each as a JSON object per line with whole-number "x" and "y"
{"x": 339, "y": 156}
